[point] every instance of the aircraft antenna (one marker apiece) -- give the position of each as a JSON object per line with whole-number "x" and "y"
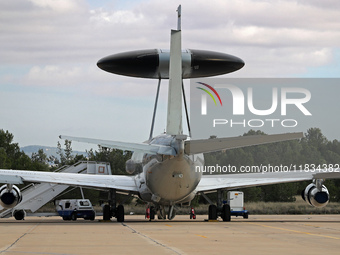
{"x": 179, "y": 11}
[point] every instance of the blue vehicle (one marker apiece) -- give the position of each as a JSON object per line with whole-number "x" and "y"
{"x": 72, "y": 209}
{"x": 243, "y": 213}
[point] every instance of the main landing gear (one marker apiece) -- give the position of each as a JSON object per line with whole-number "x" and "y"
{"x": 222, "y": 210}
{"x": 151, "y": 211}
{"x": 111, "y": 210}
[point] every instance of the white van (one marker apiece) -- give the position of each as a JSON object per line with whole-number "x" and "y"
{"x": 71, "y": 209}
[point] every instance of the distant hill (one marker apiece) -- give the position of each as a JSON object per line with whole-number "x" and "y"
{"x": 49, "y": 151}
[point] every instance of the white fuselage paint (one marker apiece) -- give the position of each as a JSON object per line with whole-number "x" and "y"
{"x": 167, "y": 180}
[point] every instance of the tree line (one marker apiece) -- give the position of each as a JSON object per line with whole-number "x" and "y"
{"x": 11, "y": 157}
{"x": 312, "y": 149}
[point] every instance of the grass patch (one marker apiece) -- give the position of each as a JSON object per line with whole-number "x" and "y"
{"x": 297, "y": 207}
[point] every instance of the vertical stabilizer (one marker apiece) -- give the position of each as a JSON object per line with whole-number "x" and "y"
{"x": 174, "y": 117}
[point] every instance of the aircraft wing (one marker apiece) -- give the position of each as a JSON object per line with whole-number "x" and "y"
{"x": 231, "y": 181}
{"x": 218, "y": 144}
{"x": 144, "y": 147}
{"x": 119, "y": 182}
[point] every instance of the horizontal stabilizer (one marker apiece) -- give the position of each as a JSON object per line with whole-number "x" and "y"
{"x": 146, "y": 148}
{"x": 244, "y": 180}
{"x": 218, "y": 144}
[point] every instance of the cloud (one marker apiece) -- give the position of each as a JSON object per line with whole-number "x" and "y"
{"x": 49, "y": 51}
{"x": 59, "y": 42}
{"x": 52, "y": 75}
{"x": 57, "y": 5}
{"x": 69, "y": 32}
{"x": 84, "y": 80}
{"x": 101, "y": 16}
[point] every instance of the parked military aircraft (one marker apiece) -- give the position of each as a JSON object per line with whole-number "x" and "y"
{"x": 163, "y": 168}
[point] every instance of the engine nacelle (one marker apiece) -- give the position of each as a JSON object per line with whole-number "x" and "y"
{"x": 315, "y": 197}
{"x": 133, "y": 167}
{"x": 130, "y": 166}
{"x": 10, "y": 196}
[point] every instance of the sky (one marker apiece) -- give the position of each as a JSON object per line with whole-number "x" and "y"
{"x": 50, "y": 84}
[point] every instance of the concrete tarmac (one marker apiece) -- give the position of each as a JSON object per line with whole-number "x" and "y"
{"x": 260, "y": 234}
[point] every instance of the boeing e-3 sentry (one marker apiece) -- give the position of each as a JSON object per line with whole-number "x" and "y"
{"x": 163, "y": 168}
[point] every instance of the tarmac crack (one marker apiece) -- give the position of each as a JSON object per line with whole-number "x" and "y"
{"x": 151, "y": 239}
{"x": 18, "y": 239}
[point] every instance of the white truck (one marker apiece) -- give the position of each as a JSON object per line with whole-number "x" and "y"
{"x": 71, "y": 209}
{"x": 235, "y": 200}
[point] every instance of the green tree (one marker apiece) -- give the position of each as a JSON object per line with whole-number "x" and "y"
{"x": 252, "y": 194}
{"x": 314, "y": 148}
{"x": 315, "y": 138}
{"x": 40, "y": 161}
{"x": 39, "y": 156}
{"x": 116, "y": 158}
{"x": 66, "y": 155}
{"x": 4, "y": 160}
{"x": 68, "y": 151}
{"x": 61, "y": 154}
{"x": 10, "y": 154}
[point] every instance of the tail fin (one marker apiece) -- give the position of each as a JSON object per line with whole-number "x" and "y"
{"x": 174, "y": 116}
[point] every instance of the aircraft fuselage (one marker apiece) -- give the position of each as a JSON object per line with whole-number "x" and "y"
{"x": 164, "y": 179}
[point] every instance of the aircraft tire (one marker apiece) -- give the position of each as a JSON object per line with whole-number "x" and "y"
{"x": 106, "y": 212}
{"x": 74, "y": 216}
{"x": 226, "y": 216}
{"x": 161, "y": 213}
{"x": 152, "y": 213}
{"x": 120, "y": 213}
{"x": 212, "y": 212}
{"x": 19, "y": 215}
{"x": 93, "y": 216}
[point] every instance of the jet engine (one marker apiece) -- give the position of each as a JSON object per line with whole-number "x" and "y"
{"x": 133, "y": 167}
{"x": 10, "y": 196}
{"x": 314, "y": 196}
{"x": 130, "y": 166}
